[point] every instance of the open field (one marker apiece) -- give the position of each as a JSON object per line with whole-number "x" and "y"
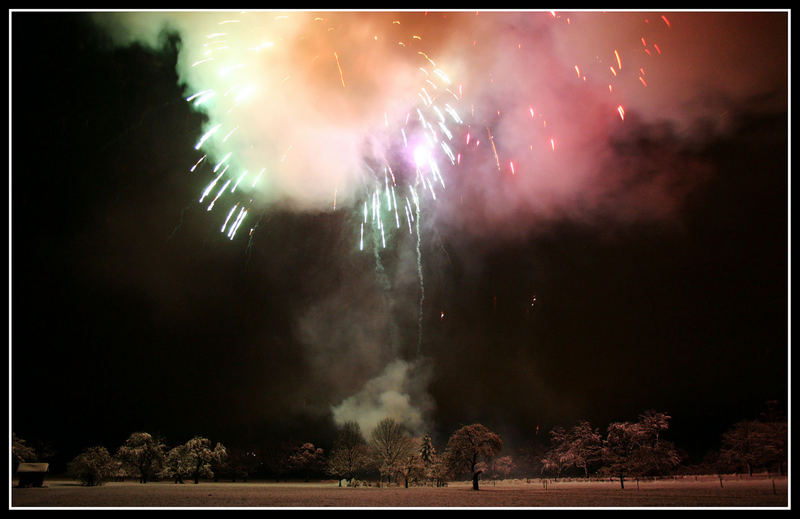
{"x": 703, "y": 492}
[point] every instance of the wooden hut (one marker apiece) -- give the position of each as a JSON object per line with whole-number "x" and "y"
{"x": 32, "y": 474}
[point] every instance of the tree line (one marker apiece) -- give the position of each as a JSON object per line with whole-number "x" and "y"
{"x": 142, "y": 456}
{"x": 390, "y": 455}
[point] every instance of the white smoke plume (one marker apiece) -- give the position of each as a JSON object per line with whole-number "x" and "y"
{"x": 399, "y": 392}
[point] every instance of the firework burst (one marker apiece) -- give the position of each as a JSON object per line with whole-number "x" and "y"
{"x": 366, "y": 118}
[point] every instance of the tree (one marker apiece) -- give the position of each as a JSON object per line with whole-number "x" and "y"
{"x": 470, "y": 448}
{"x": 752, "y": 444}
{"x": 350, "y": 453}
{"x": 579, "y": 447}
{"x": 390, "y": 445}
{"x": 178, "y": 464}
{"x": 21, "y": 452}
{"x": 618, "y": 448}
{"x": 347, "y": 463}
{"x": 202, "y": 457}
{"x": 502, "y": 467}
{"x": 741, "y": 445}
{"x": 556, "y": 457}
{"x": 119, "y": 470}
{"x": 654, "y": 456}
{"x": 585, "y": 445}
{"x": 306, "y": 459}
{"x": 529, "y": 457}
{"x": 92, "y": 467}
{"x": 637, "y": 449}
{"x": 774, "y": 436}
{"x": 428, "y": 456}
{"x": 143, "y": 453}
{"x": 411, "y": 466}
{"x": 775, "y": 439}
{"x": 241, "y": 463}
{"x": 439, "y": 471}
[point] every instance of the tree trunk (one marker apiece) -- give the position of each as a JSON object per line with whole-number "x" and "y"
{"x": 475, "y": 480}
{"x": 622, "y": 481}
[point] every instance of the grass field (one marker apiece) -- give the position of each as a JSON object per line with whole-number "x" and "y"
{"x": 688, "y": 492}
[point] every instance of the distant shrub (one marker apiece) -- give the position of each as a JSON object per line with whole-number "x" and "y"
{"x": 92, "y": 467}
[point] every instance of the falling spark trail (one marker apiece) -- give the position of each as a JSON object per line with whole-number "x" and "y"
{"x": 339, "y": 66}
{"x": 491, "y": 139}
{"x": 205, "y": 137}
{"x": 421, "y": 289}
{"x": 197, "y": 163}
{"x": 228, "y": 218}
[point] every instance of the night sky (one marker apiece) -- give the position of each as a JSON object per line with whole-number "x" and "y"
{"x": 645, "y": 268}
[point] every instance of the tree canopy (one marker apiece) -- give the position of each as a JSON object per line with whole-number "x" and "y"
{"x": 143, "y": 453}
{"x": 469, "y": 449}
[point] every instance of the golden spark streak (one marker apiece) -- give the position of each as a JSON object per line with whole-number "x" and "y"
{"x": 339, "y": 65}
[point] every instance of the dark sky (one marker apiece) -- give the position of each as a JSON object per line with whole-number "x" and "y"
{"x": 130, "y": 311}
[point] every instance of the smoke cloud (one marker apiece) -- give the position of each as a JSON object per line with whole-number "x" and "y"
{"x": 557, "y": 105}
{"x": 399, "y": 392}
{"x": 584, "y": 116}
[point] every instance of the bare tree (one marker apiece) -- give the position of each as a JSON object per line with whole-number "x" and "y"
{"x": 470, "y": 448}
{"x": 350, "y": 453}
{"x": 390, "y": 444}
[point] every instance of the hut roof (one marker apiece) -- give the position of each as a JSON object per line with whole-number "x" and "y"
{"x": 33, "y": 467}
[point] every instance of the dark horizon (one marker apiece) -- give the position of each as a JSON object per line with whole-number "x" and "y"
{"x": 130, "y": 312}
